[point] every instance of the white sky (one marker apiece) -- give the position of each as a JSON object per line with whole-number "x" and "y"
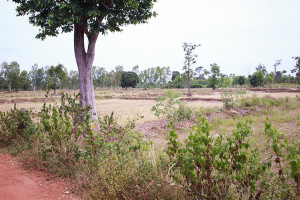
{"x": 235, "y": 34}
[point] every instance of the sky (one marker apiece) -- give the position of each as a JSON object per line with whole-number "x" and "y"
{"x": 235, "y": 34}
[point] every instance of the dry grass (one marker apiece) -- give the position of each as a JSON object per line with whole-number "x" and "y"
{"x": 109, "y": 100}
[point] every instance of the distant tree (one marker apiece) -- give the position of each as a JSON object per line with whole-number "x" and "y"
{"x": 269, "y": 78}
{"x": 180, "y": 81}
{"x": 297, "y": 69}
{"x": 190, "y": 59}
{"x": 198, "y": 73}
{"x": 175, "y": 74}
{"x": 262, "y": 68}
{"x": 277, "y": 63}
{"x": 23, "y": 81}
{"x": 162, "y": 75}
{"x": 74, "y": 79}
{"x": 136, "y": 69}
{"x": 85, "y": 18}
{"x": 37, "y": 77}
{"x": 117, "y": 76}
{"x": 257, "y": 79}
{"x": 215, "y": 74}
{"x": 10, "y": 74}
{"x": 129, "y": 79}
{"x": 56, "y": 74}
{"x": 225, "y": 81}
{"x": 239, "y": 80}
{"x": 3, "y": 84}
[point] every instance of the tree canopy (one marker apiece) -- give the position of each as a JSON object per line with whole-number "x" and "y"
{"x": 59, "y": 16}
{"x": 129, "y": 79}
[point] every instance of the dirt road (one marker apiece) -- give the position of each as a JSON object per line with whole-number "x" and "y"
{"x": 19, "y": 184}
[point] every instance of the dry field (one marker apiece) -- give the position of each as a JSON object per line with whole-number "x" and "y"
{"x": 132, "y": 103}
{"x": 127, "y": 104}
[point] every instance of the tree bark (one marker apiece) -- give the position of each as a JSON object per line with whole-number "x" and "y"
{"x": 54, "y": 87}
{"x": 189, "y": 81}
{"x": 274, "y": 76}
{"x": 84, "y": 62}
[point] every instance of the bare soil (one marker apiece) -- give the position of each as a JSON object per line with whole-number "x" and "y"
{"x": 19, "y": 184}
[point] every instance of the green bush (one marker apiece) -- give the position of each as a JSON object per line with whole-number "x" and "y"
{"x": 170, "y": 107}
{"x": 15, "y": 124}
{"x": 231, "y": 99}
{"x": 196, "y": 86}
{"x": 219, "y": 167}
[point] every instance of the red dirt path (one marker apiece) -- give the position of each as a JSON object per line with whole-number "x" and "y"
{"x": 19, "y": 184}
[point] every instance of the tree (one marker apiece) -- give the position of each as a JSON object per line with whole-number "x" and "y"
{"x": 190, "y": 59}
{"x": 240, "y": 80}
{"x": 175, "y": 74}
{"x": 85, "y": 18}
{"x": 215, "y": 74}
{"x": 136, "y": 69}
{"x": 117, "y": 75}
{"x": 129, "y": 79}
{"x": 74, "y": 79}
{"x": 56, "y": 74}
{"x": 257, "y": 79}
{"x": 23, "y": 81}
{"x": 262, "y": 68}
{"x": 277, "y": 63}
{"x": 269, "y": 78}
{"x": 37, "y": 77}
{"x": 297, "y": 69}
{"x": 11, "y": 73}
{"x": 198, "y": 72}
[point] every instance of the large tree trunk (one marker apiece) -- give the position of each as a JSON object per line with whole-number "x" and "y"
{"x": 84, "y": 63}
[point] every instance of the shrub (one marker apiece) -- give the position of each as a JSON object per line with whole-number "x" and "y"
{"x": 15, "y": 124}
{"x": 196, "y": 86}
{"x": 228, "y": 168}
{"x": 231, "y": 99}
{"x": 170, "y": 107}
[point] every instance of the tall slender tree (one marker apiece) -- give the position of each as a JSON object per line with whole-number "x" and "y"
{"x": 86, "y": 18}
{"x": 190, "y": 59}
{"x": 277, "y": 63}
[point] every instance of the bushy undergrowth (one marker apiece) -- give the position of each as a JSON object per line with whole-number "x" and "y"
{"x": 108, "y": 161}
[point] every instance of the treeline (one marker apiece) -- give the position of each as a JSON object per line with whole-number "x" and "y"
{"x": 38, "y": 78}
{"x": 58, "y": 77}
